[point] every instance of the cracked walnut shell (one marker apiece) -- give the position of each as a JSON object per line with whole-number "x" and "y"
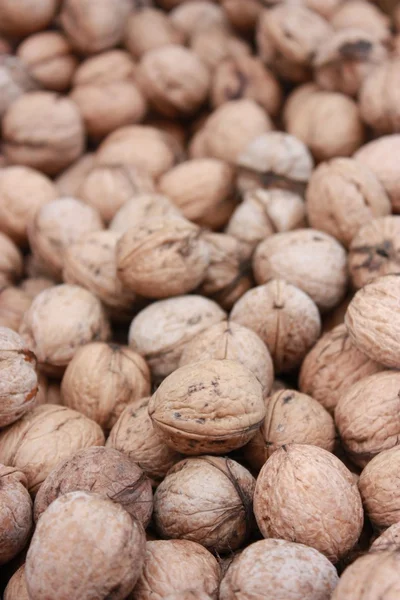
{"x": 16, "y": 513}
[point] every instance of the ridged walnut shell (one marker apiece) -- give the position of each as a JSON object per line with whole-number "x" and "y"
{"x": 16, "y": 513}
{"x": 375, "y": 575}
{"x": 150, "y": 28}
{"x": 16, "y": 588}
{"x": 388, "y": 540}
{"x": 141, "y": 207}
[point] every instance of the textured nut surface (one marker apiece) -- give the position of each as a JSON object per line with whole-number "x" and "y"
{"x": 358, "y": 13}
{"x": 211, "y": 406}
{"x": 388, "y": 540}
{"x": 190, "y": 17}
{"x": 150, "y": 28}
{"x": 288, "y": 502}
{"x": 14, "y": 302}
{"x": 187, "y": 595}
{"x": 16, "y": 588}
{"x": 11, "y": 261}
{"x": 69, "y": 180}
{"x": 15, "y": 80}
{"x": 16, "y": 513}
{"x": 278, "y": 570}
{"x": 379, "y": 97}
{"x": 215, "y": 44}
{"x": 142, "y": 207}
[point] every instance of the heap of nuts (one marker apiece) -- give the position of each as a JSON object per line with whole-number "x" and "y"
{"x": 200, "y": 299}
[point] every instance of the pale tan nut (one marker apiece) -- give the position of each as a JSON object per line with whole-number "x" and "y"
{"x": 289, "y": 503}
{"x": 186, "y": 595}
{"x": 161, "y": 331}
{"x": 218, "y": 515}
{"x": 203, "y": 189}
{"x": 142, "y": 146}
{"x": 173, "y": 566}
{"x": 102, "y": 547}
{"x": 278, "y": 570}
{"x": 70, "y": 179}
{"x": 59, "y": 321}
{"x": 150, "y": 28}
{"x": 162, "y": 257}
{"x": 372, "y": 320}
{"x": 243, "y": 15}
{"x": 375, "y": 575}
{"x": 35, "y": 267}
{"x": 284, "y": 317}
{"x": 214, "y": 44}
{"x": 16, "y": 587}
{"x": 49, "y": 58}
{"x": 297, "y": 97}
{"x": 364, "y": 15}
{"x": 14, "y": 302}
{"x": 336, "y": 316}
{"x": 32, "y": 286}
{"x": 292, "y": 418}
{"x": 388, "y": 540}
{"x": 44, "y": 131}
{"x": 342, "y": 196}
{"x": 141, "y": 207}
{"x": 11, "y": 262}
{"x": 134, "y": 435}
{"x": 43, "y": 437}
{"x": 23, "y": 191}
{"x": 274, "y": 160}
{"x": 193, "y": 16}
{"x": 332, "y": 366}
{"x": 326, "y": 8}
{"x": 16, "y": 513}
{"x": 345, "y": 60}
{"x": 379, "y": 97}
{"x": 102, "y": 379}
{"x": 19, "y": 18}
{"x": 212, "y": 406}
{"x": 175, "y": 129}
{"x": 263, "y": 213}
{"x": 15, "y": 80}
{"x": 375, "y": 251}
{"x": 57, "y": 225}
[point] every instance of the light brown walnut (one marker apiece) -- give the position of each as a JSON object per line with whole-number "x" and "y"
{"x": 362, "y": 14}
{"x": 32, "y": 286}
{"x": 19, "y": 18}
{"x": 14, "y": 303}
{"x": 191, "y": 17}
{"x": 16, "y": 587}
{"x": 388, "y": 540}
{"x": 379, "y": 97}
{"x": 70, "y": 179}
{"x": 215, "y": 43}
{"x": 16, "y": 513}
{"x": 142, "y": 207}
{"x": 15, "y": 80}
{"x": 242, "y": 15}
{"x": 11, "y": 261}
{"x": 150, "y": 28}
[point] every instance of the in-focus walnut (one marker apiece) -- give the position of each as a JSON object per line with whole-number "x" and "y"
{"x": 242, "y": 15}
{"x": 363, "y": 15}
{"x": 134, "y": 435}
{"x": 150, "y": 28}
{"x": 218, "y": 515}
{"x": 375, "y": 251}
{"x": 59, "y": 321}
{"x": 173, "y": 566}
{"x": 49, "y": 58}
{"x": 388, "y": 540}
{"x": 16, "y": 513}
{"x": 274, "y": 160}
{"x": 15, "y": 80}
{"x": 292, "y": 418}
{"x": 373, "y": 320}
{"x": 19, "y": 18}
{"x": 44, "y": 131}
{"x": 288, "y": 500}
{"x": 141, "y": 207}
{"x": 192, "y": 16}
{"x": 45, "y": 436}
{"x": 262, "y": 570}
{"x": 284, "y": 317}
{"x": 57, "y": 225}
{"x": 16, "y": 588}
{"x": 203, "y": 189}
{"x": 102, "y": 379}
{"x": 332, "y": 366}
{"x": 379, "y": 97}
{"x": 102, "y": 547}
{"x": 263, "y": 213}
{"x": 14, "y": 302}
{"x": 69, "y": 181}
{"x": 211, "y": 406}
{"x": 343, "y": 195}
{"x": 32, "y": 286}
{"x": 11, "y": 262}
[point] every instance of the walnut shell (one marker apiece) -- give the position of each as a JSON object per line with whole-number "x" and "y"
{"x": 32, "y": 286}
{"x": 187, "y": 595}
{"x": 261, "y": 571}
{"x": 142, "y": 207}
{"x": 388, "y": 540}
{"x": 11, "y": 261}
{"x": 15, "y": 80}
{"x": 108, "y": 549}
{"x": 211, "y": 406}
{"x": 59, "y": 321}
{"x": 16, "y": 588}
{"x": 191, "y": 17}
{"x": 379, "y": 97}
{"x": 215, "y": 43}
{"x": 284, "y": 317}
{"x": 150, "y": 28}
{"x": 22, "y": 17}
{"x": 242, "y": 15}
{"x": 219, "y": 515}
{"x": 14, "y": 302}
{"x": 363, "y": 15}
{"x": 16, "y": 513}
{"x": 288, "y": 501}
{"x": 68, "y": 181}
{"x": 332, "y": 366}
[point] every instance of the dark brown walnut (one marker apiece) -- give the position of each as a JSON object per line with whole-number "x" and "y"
{"x": 379, "y": 97}
{"x": 150, "y": 28}
{"x": 367, "y": 416}
{"x": 103, "y": 471}
{"x": 342, "y": 196}
{"x": 191, "y": 17}
{"x": 388, "y": 540}
{"x": 215, "y": 43}
{"x": 16, "y": 587}
{"x": 228, "y": 340}
{"x": 142, "y": 207}
{"x": 161, "y": 331}
{"x": 277, "y": 570}
{"x": 15, "y": 80}
{"x": 134, "y": 435}
{"x": 14, "y": 302}
{"x": 363, "y": 15}
{"x": 59, "y": 321}
{"x": 212, "y": 406}
{"x": 284, "y": 317}
{"x": 16, "y": 513}
{"x": 332, "y": 366}
{"x": 69, "y": 180}
{"x": 44, "y": 131}
{"x": 292, "y": 418}
{"x": 173, "y": 566}
{"x": 107, "y": 556}
{"x": 274, "y": 160}
{"x": 288, "y": 500}
{"x": 11, "y": 262}
{"x": 262, "y": 213}
{"x": 43, "y": 437}
{"x": 218, "y": 515}
{"x": 102, "y": 379}
{"x": 19, "y": 18}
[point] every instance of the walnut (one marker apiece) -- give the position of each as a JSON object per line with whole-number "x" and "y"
{"x": 69, "y": 181}
{"x": 175, "y": 129}
{"x": 336, "y": 316}
{"x": 217, "y": 515}
{"x": 22, "y": 17}
{"x": 243, "y": 15}
{"x": 388, "y": 540}
{"x": 11, "y": 261}
{"x": 14, "y": 302}
{"x": 107, "y": 554}
{"x": 292, "y": 418}
{"x": 32, "y": 286}
{"x": 375, "y": 575}
{"x": 326, "y": 8}
{"x": 381, "y": 115}
{"x": 288, "y": 500}
{"x": 35, "y": 267}
{"x": 332, "y": 366}
{"x": 211, "y": 406}
{"x": 187, "y": 595}
{"x": 150, "y": 28}
{"x": 16, "y": 513}
{"x": 262, "y": 570}
{"x": 16, "y": 588}
{"x": 59, "y": 321}
{"x": 142, "y": 207}
{"x": 363, "y": 15}
{"x": 284, "y": 317}
{"x": 215, "y": 43}
{"x": 15, "y": 80}
{"x": 49, "y": 391}
{"x": 191, "y": 17}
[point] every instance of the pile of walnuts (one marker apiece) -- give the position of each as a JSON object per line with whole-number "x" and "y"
{"x": 200, "y": 299}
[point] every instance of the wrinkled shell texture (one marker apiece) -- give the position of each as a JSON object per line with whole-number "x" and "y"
{"x": 70, "y": 179}
{"x": 388, "y": 540}
{"x": 358, "y": 13}
{"x": 148, "y": 29}
{"x": 16, "y": 513}
{"x": 43, "y": 437}
{"x": 140, "y": 208}
{"x": 87, "y": 545}
{"x": 217, "y": 514}
{"x": 279, "y": 570}
{"x": 16, "y": 588}
{"x": 15, "y": 80}
{"x": 369, "y": 577}
{"x": 288, "y": 502}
